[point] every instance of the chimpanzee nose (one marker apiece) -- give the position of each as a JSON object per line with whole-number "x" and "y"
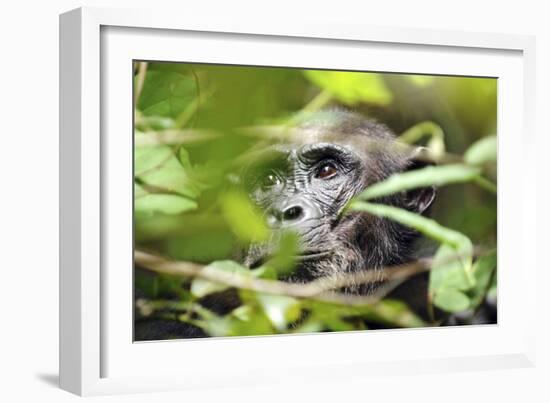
{"x": 292, "y": 212}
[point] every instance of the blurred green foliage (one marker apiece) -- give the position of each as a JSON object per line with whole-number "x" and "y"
{"x": 352, "y": 88}
{"x": 190, "y": 138}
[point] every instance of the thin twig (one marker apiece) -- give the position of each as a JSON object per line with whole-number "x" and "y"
{"x": 320, "y": 289}
{"x": 171, "y": 136}
{"x": 318, "y": 102}
{"x": 142, "y": 70}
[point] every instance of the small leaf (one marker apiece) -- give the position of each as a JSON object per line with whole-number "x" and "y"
{"x": 388, "y": 312}
{"x": 279, "y": 309}
{"x": 243, "y": 217}
{"x": 147, "y": 158}
{"x": 483, "y": 270}
{"x": 146, "y": 123}
{"x": 436, "y": 142}
{"x": 265, "y": 272}
{"x": 183, "y": 158}
{"x": 163, "y": 203}
{"x": 450, "y": 270}
{"x": 482, "y": 151}
{"x": 311, "y": 325}
{"x": 167, "y": 93}
{"x": 157, "y": 166}
{"x": 352, "y": 87}
{"x": 451, "y": 300}
{"x": 243, "y": 312}
{"x": 395, "y": 312}
{"x": 139, "y": 191}
{"x": 447, "y": 270}
{"x": 255, "y": 324}
{"x": 418, "y": 178}
{"x": 337, "y": 324}
{"x": 218, "y": 327}
{"x": 284, "y": 259}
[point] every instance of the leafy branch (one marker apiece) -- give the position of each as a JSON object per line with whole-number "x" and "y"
{"x": 321, "y": 289}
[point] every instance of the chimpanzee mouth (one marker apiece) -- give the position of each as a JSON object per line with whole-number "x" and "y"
{"x": 302, "y": 257}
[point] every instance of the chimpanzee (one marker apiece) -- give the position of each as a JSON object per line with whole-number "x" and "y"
{"x": 304, "y": 183}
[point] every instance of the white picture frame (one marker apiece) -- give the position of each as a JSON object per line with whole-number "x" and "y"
{"x": 96, "y": 354}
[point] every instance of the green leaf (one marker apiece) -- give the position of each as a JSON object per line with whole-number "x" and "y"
{"x": 451, "y": 300}
{"x": 201, "y": 287}
{"x": 254, "y": 324}
{"x": 163, "y": 203}
{"x": 352, "y": 87}
{"x": 450, "y": 270}
{"x": 327, "y": 316}
{"x": 482, "y": 151}
{"x": 284, "y": 259}
{"x": 157, "y": 166}
{"x": 426, "y": 226}
{"x": 395, "y": 313}
{"x": 218, "y": 327}
{"x": 265, "y": 272}
{"x": 279, "y": 309}
{"x": 147, "y": 158}
{"x": 436, "y": 142}
{"x": 483, "y": 269}
{"x": 450, "y": 275}
{"x": 243, "y": 217}
{"x": 183, "y": 158}
{"x": 171, "y": 178}
{"x": 139, "y": 191}
{"x": 311, "y": 325}
{"x": 167, "y": 93}
{"x": 337, "y": 324}
{"x": 145, "y": 123}
{"x": 418, "y": 178}
{"x": 452, "y": 266}
{"x": 388, "y": 312}
{"x": 243, "y": 313}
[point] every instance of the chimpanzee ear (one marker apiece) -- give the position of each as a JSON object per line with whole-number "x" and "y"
{"x": 419, "y": 200}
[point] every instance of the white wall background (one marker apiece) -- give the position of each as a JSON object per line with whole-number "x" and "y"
{"x": 29, "y": 201}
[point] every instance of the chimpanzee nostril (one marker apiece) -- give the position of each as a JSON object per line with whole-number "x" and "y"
{"x": 293, "y": 213}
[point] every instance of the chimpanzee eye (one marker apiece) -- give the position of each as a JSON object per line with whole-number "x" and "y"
{"x": 269, "y": 180}
{"x": 327, "y": 170}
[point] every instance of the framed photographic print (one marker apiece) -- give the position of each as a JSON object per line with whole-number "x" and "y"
{"x": 242, "y": 203}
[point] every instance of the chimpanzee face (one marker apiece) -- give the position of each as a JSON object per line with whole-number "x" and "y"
{"x": 303, "y": 188}
{"x": 304, "y": 185}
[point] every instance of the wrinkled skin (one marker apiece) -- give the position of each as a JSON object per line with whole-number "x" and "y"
{"x": 303, "y": 186}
